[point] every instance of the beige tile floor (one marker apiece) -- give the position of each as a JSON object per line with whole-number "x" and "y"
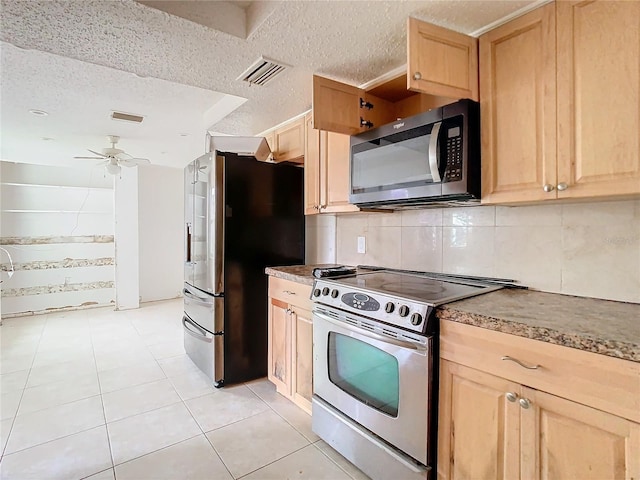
{"x": 111, "y": 395}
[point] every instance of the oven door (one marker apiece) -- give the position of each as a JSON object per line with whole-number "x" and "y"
{"x": 380, "y": 382}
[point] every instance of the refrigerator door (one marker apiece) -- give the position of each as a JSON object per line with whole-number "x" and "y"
{"x": 189, "y": 201}
{"x": 204, "y": 309}
{"x": 204, "y": 349}
{"x": 208, "y": 224}
{"x": 203, "y": 325}
{"x": 264, "y": 226}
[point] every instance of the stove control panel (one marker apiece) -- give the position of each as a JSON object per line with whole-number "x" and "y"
{"x": 403, "y": 313}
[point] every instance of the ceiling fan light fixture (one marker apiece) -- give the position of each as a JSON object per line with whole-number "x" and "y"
{"x": 113, "y": 168}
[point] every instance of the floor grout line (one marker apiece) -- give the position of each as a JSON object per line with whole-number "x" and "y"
{"x": 104, "y": 415}
{"x": 272, "y": 462}
{"x": 4, "y": 448}
{"x": 269, "y": 406}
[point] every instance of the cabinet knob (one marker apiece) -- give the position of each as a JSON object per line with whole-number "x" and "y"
{"x": 417, "y": 76}
{"x": 562, "y": 186}
{"x": 525, "y": 403}
{"x": 548, "y": 187}
{"x": 512, "y": 397}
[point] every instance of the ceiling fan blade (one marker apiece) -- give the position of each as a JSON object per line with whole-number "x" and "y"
{"x": 132, "y": 162}
{"x": 90, "y": 158}
{"x": 97, "y": 153}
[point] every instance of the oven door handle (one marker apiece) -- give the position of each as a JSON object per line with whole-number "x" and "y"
{"x": 433, "y": 153}
{"x": 375, "y": 336}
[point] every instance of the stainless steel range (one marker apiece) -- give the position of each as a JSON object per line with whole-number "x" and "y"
{"x": 375, "y": 368}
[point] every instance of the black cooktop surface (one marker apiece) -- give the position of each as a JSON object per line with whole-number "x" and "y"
{"x": 415, "y": 287}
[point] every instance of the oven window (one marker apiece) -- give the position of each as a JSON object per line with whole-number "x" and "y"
{"x": 364, "y": 372}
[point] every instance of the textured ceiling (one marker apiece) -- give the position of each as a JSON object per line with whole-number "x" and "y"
{"x": 351, "y": 41}
{"x": 79, "y": 99}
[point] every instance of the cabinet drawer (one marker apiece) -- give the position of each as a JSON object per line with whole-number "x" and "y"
{"x": 293, "y": 293}
{"x": 603, "y": 382}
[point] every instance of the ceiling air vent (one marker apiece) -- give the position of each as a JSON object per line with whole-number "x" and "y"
{"x": 262, "y": 71}
{"x": 127, "y": 117}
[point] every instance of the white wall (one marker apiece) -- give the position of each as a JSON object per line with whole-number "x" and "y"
{"x": 584, "y": 249}
{"x": 57, "y": 224}
{"x": 160, "y": 223}
{"x": 126, "y": 239}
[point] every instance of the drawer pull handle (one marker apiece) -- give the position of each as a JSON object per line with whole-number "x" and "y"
{"x": 288, "y": 292}
{"x": 528, "y": 367}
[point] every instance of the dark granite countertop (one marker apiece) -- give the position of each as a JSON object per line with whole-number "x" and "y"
{"x": 599, "y": 326}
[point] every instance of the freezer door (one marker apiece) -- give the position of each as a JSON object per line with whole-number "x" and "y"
{"x": 189, "y": 201}
{"x": 204, "y": 349}
{"x": 204, "y": 309}
{"x": 208, "y": 224}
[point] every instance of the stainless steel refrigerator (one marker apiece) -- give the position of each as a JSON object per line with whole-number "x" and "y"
{"x": 242, "y": 214}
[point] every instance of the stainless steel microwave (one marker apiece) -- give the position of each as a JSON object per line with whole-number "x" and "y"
{"x": 430, "y": 157}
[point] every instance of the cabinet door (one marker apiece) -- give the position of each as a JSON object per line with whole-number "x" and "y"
{"x": 311, "y": 168}
{"x": 279, "y": 351}
{"x": 478, "y": 429}
{"x": 270, "y": 137}
{"x": 302, "y": 345}
{"x": 564, "y": 439}
{"x": 518, "y": 109}
{"x": 598, "y": 98}
{"x": 441, "y": 62}
{"x": 290, "y": 142}
{"x": 336, "y": 106}
{"x": 334, "y": 161}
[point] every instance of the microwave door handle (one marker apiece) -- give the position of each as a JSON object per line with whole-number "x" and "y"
{"x": 433, "y": 153}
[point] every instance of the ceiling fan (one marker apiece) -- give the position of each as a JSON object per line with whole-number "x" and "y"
{"x": 115, "y": 158}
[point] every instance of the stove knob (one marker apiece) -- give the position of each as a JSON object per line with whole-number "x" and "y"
{"x": 404, "y": 311}
{"x": 389, "y": 307}
{"x": 316, "y": 292}
{"x": 325, "y": 291}
{"x": 416, "y": 319}
{"x": 334, "y": 293}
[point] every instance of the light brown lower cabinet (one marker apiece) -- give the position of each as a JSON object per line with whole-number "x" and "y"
{"x": 491, "y": 427}
{"x": 290, "y": 343}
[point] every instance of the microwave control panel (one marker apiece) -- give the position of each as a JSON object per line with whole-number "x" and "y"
{"x": 453, "y": 171}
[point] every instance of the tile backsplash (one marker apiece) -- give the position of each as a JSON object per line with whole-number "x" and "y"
{"x": 584, "y": 249}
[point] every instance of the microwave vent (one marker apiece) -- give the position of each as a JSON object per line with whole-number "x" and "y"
{"x": 262, "y": 71}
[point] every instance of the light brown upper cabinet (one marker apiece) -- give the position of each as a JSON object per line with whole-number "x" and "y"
{"x": 518, "y": 108}
{"x": 598, "y": 98}
{"x": 342, "y": 108}
{"x": 326, "y": 172}
{"x": 560, "y": 103}
{"x": 442, "y": 68}
{"x": 441, "y": 62}
{"x": 287, "y": 141}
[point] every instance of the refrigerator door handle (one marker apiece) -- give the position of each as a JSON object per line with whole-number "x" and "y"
{"x": 195, "y": 298}
{"x": 200, "y": 334}
{"x": 189, "y": 234}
